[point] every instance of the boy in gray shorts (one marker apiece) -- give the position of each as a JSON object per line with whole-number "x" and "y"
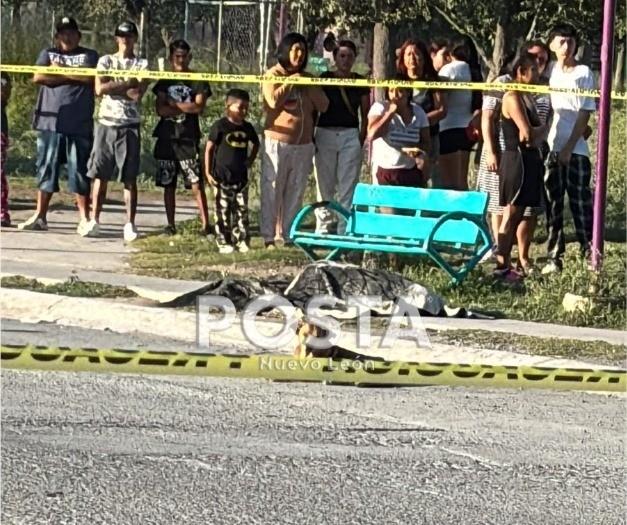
{"x": 116, "y": 138}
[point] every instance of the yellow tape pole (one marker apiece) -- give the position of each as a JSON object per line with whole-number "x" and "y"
{"x": 287, "y": 368}
{"x": 306, "y": 81}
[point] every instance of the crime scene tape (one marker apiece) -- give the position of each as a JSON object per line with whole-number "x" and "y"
{"x": 288, "y": 368}
{"x": 305, "y": 80}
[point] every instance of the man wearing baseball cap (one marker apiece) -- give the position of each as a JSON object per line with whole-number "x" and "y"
{"x": 63, "y": 119}
{"x": 116, "y": 151}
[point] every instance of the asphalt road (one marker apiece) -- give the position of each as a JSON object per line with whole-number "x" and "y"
{"x": 124, "y": 449}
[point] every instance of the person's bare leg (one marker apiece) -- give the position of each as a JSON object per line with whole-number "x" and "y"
{"x": 169, "y": 201}
{"x": 201, "y": 202}
{"x": 43, "y": 203}
{"x": 495, "y": 223}
{"x": 507, "y": 231}
{"x": 448, "y": 171}
{"x": 98, "y": 195}
{"x": 462, "y": 173}
{"x": 82, "y": 203}
{"x": 524, "y": 234}
{"x": 130, "y": 201}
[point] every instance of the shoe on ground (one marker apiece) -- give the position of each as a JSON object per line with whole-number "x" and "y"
{"x": 33, "y": 223}
{"x": 242, "y": 247}
{"x": 88, "y": 228}
{"x": 270, "y": 245}
{"x": 551, "y": 267}
{"x": 225, "y": 248}
{"x": 507, "y": 275}
{"x": 130, "y": 232}
{"x": 5, "y": 223}
{"x": 170, "y": 229}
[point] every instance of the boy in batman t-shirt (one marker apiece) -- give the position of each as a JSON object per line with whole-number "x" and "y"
{"x": 227, "y": 159}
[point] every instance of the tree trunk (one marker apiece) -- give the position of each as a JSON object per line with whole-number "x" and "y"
{"x": 16, "y": 15}
{"x": 380, "y": 56}
{"x": 499, "y": 53}
{"x": 620, "y": 68}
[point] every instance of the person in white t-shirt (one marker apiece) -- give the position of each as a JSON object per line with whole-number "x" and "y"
{"x": 401, "y": 142}
{"x": 568, "y": 166}
{"x": 117, "y": 143}
{"x": 457, "y": 136}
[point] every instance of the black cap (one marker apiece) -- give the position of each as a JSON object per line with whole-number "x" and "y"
{"x": 67, "y": 23}
{"x": 126, "y": 29}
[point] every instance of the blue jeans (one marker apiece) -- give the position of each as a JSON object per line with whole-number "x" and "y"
{"x": 53, "y": 151}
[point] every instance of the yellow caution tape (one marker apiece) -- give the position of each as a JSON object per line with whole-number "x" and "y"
{"x": 287, "y": 368}
{"x": 305, "y": 80}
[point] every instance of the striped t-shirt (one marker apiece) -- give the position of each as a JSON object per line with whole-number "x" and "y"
{"x": 386, "y": 150}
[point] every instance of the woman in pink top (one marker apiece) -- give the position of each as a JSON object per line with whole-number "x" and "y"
{"x": 288, "y": 139}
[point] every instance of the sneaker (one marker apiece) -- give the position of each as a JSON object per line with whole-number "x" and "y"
{"x": 225, "y": 248}
{"x": 551, "y": 267}
{"x": 81, "y": 229}
{"x": 33, "y": 223}
{"x": 242, "y": 247}
{"x": 88, "y": 228}
{"x": 170, "y": 229}
{"x": 130, "y": 232}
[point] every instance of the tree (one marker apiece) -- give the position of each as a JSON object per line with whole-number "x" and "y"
{"x": 497, "y": 27}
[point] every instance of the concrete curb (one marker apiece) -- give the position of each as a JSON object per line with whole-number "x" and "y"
{"x": 101, "y": 314}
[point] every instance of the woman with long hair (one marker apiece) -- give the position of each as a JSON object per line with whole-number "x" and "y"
{"x": 340, "y": 135}
{"x": 457, "y": 137}
{"x": 414, "y": 63}
{"x": 488, "y": 178}
{"x": 521, "y": 165}
{"x": 288, "y": 138}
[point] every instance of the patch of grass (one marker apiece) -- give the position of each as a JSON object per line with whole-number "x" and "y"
{"x": 71, "y": 288}
{"x": 599, "y": 351}
{"x": 189, "y": 255}
{"x": 539, "y": 298}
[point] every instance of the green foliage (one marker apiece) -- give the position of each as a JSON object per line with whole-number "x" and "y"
{"x": 72, "y": 288}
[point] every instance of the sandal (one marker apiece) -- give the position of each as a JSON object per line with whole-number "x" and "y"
{"x": 507, "y": 275}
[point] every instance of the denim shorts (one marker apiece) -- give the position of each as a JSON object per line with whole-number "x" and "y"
{"x": 55, "y": 150}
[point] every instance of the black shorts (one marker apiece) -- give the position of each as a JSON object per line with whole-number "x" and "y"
{"x": 452, "y": 140}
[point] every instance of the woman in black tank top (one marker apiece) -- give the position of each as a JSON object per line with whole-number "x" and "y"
{"x": 520, "y": 169}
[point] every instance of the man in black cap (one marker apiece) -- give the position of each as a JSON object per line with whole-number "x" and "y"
{"x": 64, "y": 121}
{"x": 116, "y": 149}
